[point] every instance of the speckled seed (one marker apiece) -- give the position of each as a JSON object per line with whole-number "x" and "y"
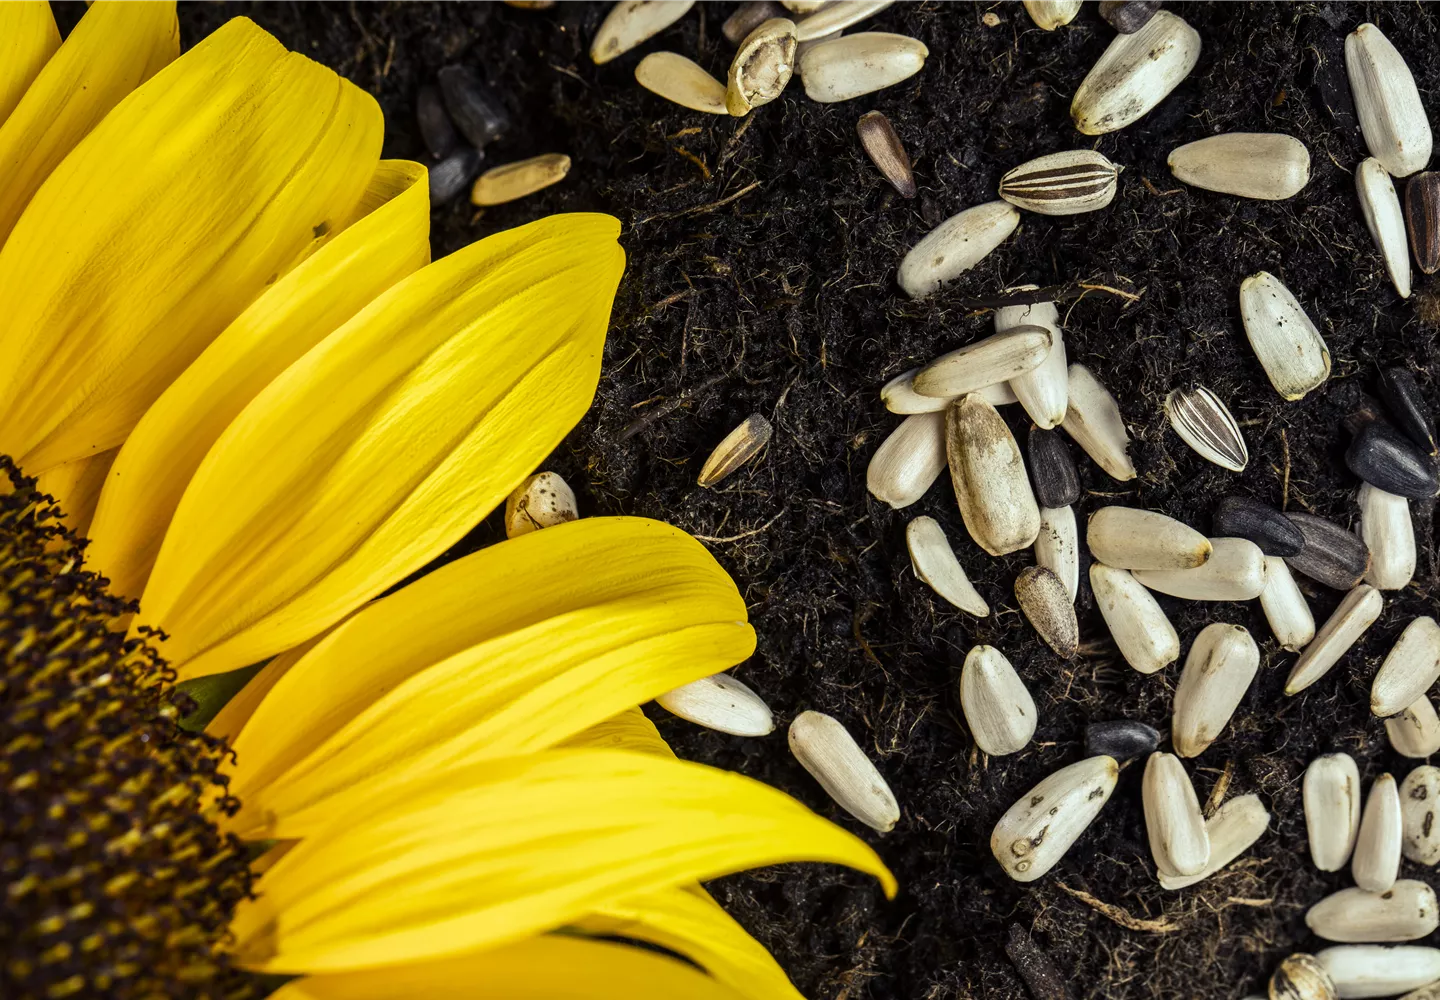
{"x": 520, "y": 179}
{"x": 449, "y": 177}
{"x": 1288, "y": 344}
{"x": 738, "y": 447}
{"x": 1122, "y": 739}
{"x": 437, "y": 131}
{"x": 1376, "y": 861}
{"x": 998, "y": 707}
{"x": 1385, "y": 219}
{"x": 1402, "y": 395}
{"x": 1057, "y": 546}
{"x": 1356, "y": 613}
{"x": 1331, "y": 793}
{"x": 1219, "y": 669}
{"x": 885, "y": 150}
{"x": 934, "y": 562}
{"x": 955, "y": 246}
{"x": 1052, "y": 468}
{"x": 998, "y": 358}
{"x": 1420, "y": 815}
{"x": 1131, "y": 538}
{"x": 1235, "y": 826}
{"x": 1404, "y": 912}
{"x": 1135, "y": 73}
{"x": 762, "y": 67}
{"x": 1262, "y": 165}
{"x": 988, "y": 474}
{"x": 1179, "y": 843}
{"x": 1388, "y": 460}
{"x": 1387, "y": 102}
{"x": 838, "y": 17}
{"x": 1093, "y": 422}
{"x": 1285, "y": 607}
{"x": 722, "y": 703}
{"x": 1422, "y": 219}
{"x": 1235, "y": 571}
{"x": 1378, "y": 970}
{"x": 1331, "y": 555}
{"x": 1411, "y": 666}
{"x": 1035, "y": 832}
{"x": 1301, "y": 977}
{"x": 1066, "y": 183}
{"x": 1204, "y": 423}
{"x": 1415, "y": 732}
{"x": 908, "y": 461}
{"x": 748, "y": 17}
{"x": 859, "y": 64}
{"x": 474, "y": 108}
{"x": 542, "y": 501}
{"x": 632, "y": 22}
{"x": 1242, "y": 517}
{"x": 1051, "y": 14}
{"x": 826, "y": 749}
{"x": 1049, "y": 608}
{"x": 1044, "y": 391}
{"x": 682, "y": 81}
{"x": 1136, "y": 621}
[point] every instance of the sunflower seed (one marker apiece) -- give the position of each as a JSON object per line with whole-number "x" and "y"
{"x": 1430, "y": 991}
{"x": 1386, "y": 221}
{"x": 682, "y": 81}
{"x": 1243, "y": 517}
{"x": 1356, "y": 613}
{"x": 542, "y": 501}
{"x": 1047, "y": 605}
{"x": 1332, "y": 809}
{"x": 517, "y": 180}
{"x": 1051, "y": 14}
{"x": 1135, "y": 73}
{"x": 1035, "y": 832}
{"x": 1042, "y": 978}
{"x": 1093, "y": 421}
{"x": 1044, "y": 391}
{"x": 1301, "y": 977}
{"x": 1376, "y": 861}
{"x": 998, "y": 708}
{"x": 1179, "y": 842}
{"x": 1235, "y": 571}
{"x": 1387, "y": 102}
{"x": 839, "y": 16}
{"x": 1203, "y": 422}
{"x": 859, "y": 64}
{"x": 449, "y": 177}
{"x": 886, "y": 151}
{"x": 1404, "y": 913}
{"x": 899, "y": 395}
{"x": 1057, "y": 547}
{"x": 1130, "y": 538}
{"x": 825, "y": 748}
{"x": 1331, "y": 555}
{"x": 803, "y": 6}
{"x": 474, "y": 108}
{"x": 955, "y": 246}
{"x": 1136, "y": 621}
{"x": 1388, "y": 460}
{"x": 1420, "y": 815}
{"x": 1285, "y": 607}
{"x": 934, "y": 562}
{"x": 1377, "y": 970}
{"x": 1128, "y": 16}
{"x": 762, "y": 67}
{"x": 1422, "y": 219}
{"x": 437, "y": 131}
{"x": 1411, "y": 666}
{"x": 1405, "y": 400}
{"x": 722, "y": 703}
{"x": 1261, "y": 165}
{"x": 633, "y": 22}
{"x": 1219, "y": 669}
{"x": 1122, "y": 739}
{"x": 738, "y": 447}
{"x": 997, "y": 358}
{"x": 908, "y": 461}
{"x": 1289, "y": 347}
{"x": 1415, "y": 732}
{"x": 1068, "y": 183}
{"x": 748, "y": 17}
{"x": 989, "y": 478}
{"x": 1235, "y": 826}
{"x": 1052, "y": 468}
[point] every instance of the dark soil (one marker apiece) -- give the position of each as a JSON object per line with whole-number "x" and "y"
{"x": 762, "y": 257}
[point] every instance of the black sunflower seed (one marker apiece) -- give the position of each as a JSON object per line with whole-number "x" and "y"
{"x": 449, "y": 177}
{"x": 1402, "y": 395}
{"x": 1389, "y": 461}
{"x": 1242, "y": 517}
{"x": 1331, "y": 555}
{"x": 1042, "y": 978}
{"x": 1121, "y": 739}
{"x": 1422, "y": 219}
{"x": 1128, "y": 16}
{"x": 1052, "y": 468}
{"x": 474, "y": 108}
{"x": 886, "y": 151}
{"x": 437, "y": 131}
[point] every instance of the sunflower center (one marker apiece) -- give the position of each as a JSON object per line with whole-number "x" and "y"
{"x": 112, "y": 883}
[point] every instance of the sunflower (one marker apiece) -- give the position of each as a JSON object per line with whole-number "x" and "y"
{"x": 229, "y": 364}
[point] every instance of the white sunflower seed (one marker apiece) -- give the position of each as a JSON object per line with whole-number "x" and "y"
{"x": 1300, "y": 977}
{"x": 1044, "y": 391}
{"x": 993, "y": 359}
{"x": 1289, "y": 347}
{"x": 738, "y": 447}
{"x": 1405, "y": 912}
{"x": 1376, "y": 861}
{"x": 1219, "y": 669}
{"x": 633, "y": 22}
{"x": 1378, "y": 970}
{"x": 1386, "y": 221}
{"x": 1051, "y": 14}
{"x": 1285, "y": 607}
{"x": 908, "y": 461}
{"x": 1420, "y": 815}
{"x": 1235, "y": 826}
{"x": 1430, "y": 991}
{"x": 683, "y": 81}
{"x": 955, "y": 246}
{"x": 1387, "y": 102}
{"x": 1235, "y": 571}
{"x": 722, "y": 703}
{"x": 1179, "y": 842}
{"x": 1415, "y": 732}
{"x": 1049, "y": 608}
{"x": 762, "y": 67}
{"x": 899, "y": 395}
{"x": 859, "y": 64}
{"x": 826, "y": 749}
{"x": 1389, "y": 534}
{"x": 512, "y": 181}
{"x": 1332, "y": 809}
{"x": 1356, "y": 613}
{"x": 886, "y": 151}
{"x": 748, "y": 17}
{"x": 934, "y": 562}
{"x": 1411, "y": 666}
{"x": 989, "y": 477}
{"x": 1093, "y": 421}
{"x": 1035, "y": 832}
{"x": 998, "y": 707}
{"x": 1068, "y": 183}
{"x": 1057, "y": 546}
{"x": 1204, "y": 423}
{"x": 1131, "y": 538}
{"x": 542, "y": 501}
{"x": 1136, "y": 621}
{"x": 1135, "y": 73}
{"x": 803, "y": 6}
{"x": 1261, "y": 165}
{"x": 838, "y": 17}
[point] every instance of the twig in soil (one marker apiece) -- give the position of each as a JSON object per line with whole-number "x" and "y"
{"x": 855, "y": 622}
{"x": 1285, "y": 485}
{"x": 1042, "y": 979}
{"x": 1248, "y": 901}
{"x": 699, "y": 209}
{"x": 1063, "y": 292}
{"x": 743, "y": 534}
{"x": 1154, "y": 925}
{"x": 665, "y": 409}
{"x": 1217, "y": 794}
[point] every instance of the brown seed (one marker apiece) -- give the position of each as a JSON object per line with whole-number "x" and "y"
{"x": 1422, "y": 219}
{"x": 1046, "y": 603}
{"x": 748, "y": 17}
{"x": 878, "y": 137}
{"x": 1128, "y": 16}
{"x": 1301, "y": 977}
{"x": 739, "y": 446}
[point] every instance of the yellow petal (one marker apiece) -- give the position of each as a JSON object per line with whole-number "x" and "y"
{"x": 566, "y": 627}
{"x": 115, "y": 48}
{"x": 231, "y": 719}
{"x": 386, "y": 443}
{"x": 189, "y": 198}
{"x": 28, "y": 38}
{"x": 292, "y": 316}
{"x": 547, "y": 967}
{"x": 489, "y": 853}
{"x": 76, "y": 488}
{"x": 628, "y": 730}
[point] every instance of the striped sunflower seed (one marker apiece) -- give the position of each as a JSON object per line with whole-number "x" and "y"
{"x": 1420, "y": 815}
{"x": 1388, "y": 460}
{"x": 1219, "y": 669}
{"x": 1044, "y": 823}
{"x": 1378, "y": 970}
{"x": 825, "y": 748}
{"x": 762, "y": 67}
{"x": 1052, "y": 468}
{"x": 1301, "y": 977}
{"x": 721, "y": 703}
{"x": 1057, "y": 546}
{"x": 934, "y": 562}
{"x": 1068, "y": 183}
{"x": 989, "y": 478}
{"x": 859, "y": 64}
{"x": 1131, "y": 538}
{"x": 1179, "y": 843}
{"x": 886, "y": 151}
{"x": 1285, "y": 607}
{"x": 1048, "y": 607}
{"x": 1415, "y": 732}
{"x": 1356, "y": 613}
{"x": 1135, "y": 73}
{"x": 998, "y": 707}
{"x": 450, "y": 176}
{"x": 681, "y": 81}
{"x": 1385, "y": 219}
{"x": 1204, "y": 423}
{"x": 1122, "y": 739}
{"x": 838, "y": 17}
{"x": 1389, "y": 534}
{"x": 955, "y": 246}
{"x": 738, "y": 447}
{"x": 747, "y": 17}
{"x": 1405, "y": 400}
{"x": 1243, "y": 517}
{"x": 1376, "y": 862}
{"x": 1128, "y": 16}
{"x": 1411, "y": 666}
{"x": 1331, "y": 793}
{"x": 1262, "y": 165}
{"x": 1235, "y": 571}
{"x": 1051, "y": 14}
{"x": 1233, "y": 829}
{"x": 1387, "y": 102}
{"x": 1406, "y": 912}
{"x": 1136, "y": 621}
{"x": 1422, "y": 219}
{"x": 1289, "y": 347}
{"x": 908, "y": 461}
{"x": 1044, "y": 391}
{"x": 1331, "y": 555}
{"x": 1093, "y": 421}
{"x": 993, "y": 359}
{"x": 542, "y": 501}
{"x": 633, "y": 22}
{"x": 513, "y": 181}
